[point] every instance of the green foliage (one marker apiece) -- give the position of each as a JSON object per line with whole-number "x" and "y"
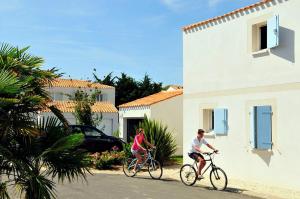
{"x": 3, "y": 191}
{"x": 83, "y": 108}
{"x": 116, "y": 133}
{"x": 107, "y": 159}
{"x": 25, "y": 145}
{"x": 161, "y": 137}
{"x": 127, "y": 149}
{"x": 177, "y": 159}
{"x": 129, "y": 89}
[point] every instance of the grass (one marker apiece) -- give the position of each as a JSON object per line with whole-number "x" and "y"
{"x": 177, "y": 159}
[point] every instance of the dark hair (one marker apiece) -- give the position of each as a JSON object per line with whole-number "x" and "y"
{"x": 200, "y": 131}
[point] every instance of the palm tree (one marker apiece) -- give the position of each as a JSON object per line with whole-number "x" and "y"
{"x": 33, "y": 154}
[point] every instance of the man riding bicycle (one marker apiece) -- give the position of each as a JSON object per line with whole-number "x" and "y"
{"x": 195, "y": 152}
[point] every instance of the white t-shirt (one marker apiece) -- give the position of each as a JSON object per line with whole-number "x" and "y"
{"x": 197, "y": 143}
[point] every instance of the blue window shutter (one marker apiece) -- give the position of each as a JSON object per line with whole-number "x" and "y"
{"x": 264, "y": 127}
{"x": 273, "y": 32}
{"x": 253, "y": 127}
{"x": 220, "y": 121}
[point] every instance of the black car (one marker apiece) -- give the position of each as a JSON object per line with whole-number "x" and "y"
{"x": 96, "y": 140}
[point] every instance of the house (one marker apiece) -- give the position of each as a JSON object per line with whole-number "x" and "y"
{"x": 104, "y": 106}
{"x": 165, "y": 107}
{"x": 174, "y": 87}
{"x": 242, "y": 85}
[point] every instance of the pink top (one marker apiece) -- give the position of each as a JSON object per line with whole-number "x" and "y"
{"x": 138, "y": 139}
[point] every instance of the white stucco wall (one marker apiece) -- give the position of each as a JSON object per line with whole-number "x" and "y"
{"x": 169, "y": 113}
{"x": 218, "y": 57}
{"x": 108, "y": 125}
{"x": 221, "y": 72}
{"x": 131, "y": 113}
{"x": 109, "y": 92}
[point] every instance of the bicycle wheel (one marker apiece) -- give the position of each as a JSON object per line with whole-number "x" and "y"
{"x": 188, "y": 175}
{"x": 128, "y": 166}
{"x": 155, "y": 169}
{"x": 218, "y": 179}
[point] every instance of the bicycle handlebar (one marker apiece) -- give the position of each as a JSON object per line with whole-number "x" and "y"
{"x": 210, "y": 153}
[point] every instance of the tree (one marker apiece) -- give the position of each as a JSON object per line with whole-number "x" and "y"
{"x": 146, "y": 87}
{"x": 129, "y": 89}
{"x": 126, "y": 89}
{"x": 33, "y": 154}
{"x": 83, "y": 108}
{"x": 107, "y": 80}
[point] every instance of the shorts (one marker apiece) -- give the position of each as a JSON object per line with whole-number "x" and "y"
{"x": 134, "y": 152}
{"x": 195, "y": 156}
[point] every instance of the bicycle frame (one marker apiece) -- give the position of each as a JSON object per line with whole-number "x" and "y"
{"x": 141, "y": 165}
{"x": 212, "y": 165}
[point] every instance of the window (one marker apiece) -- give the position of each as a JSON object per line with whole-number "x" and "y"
{"x": 216, "y": 120}
{"x": 261, "y": 127}
{"x": 208, "y": 119}
{"x": 263, "y": 37}
{"x": 57, "y": 96}
{"x": 92, "y": 132}
{"x": 101, "y": 97}
{"x": 265, "y": 34}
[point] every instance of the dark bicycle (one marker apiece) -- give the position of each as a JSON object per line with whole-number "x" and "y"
{"x": 218, "y": 178}
{"x": 154, "y": 167}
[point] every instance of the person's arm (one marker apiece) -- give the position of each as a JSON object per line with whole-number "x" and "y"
{"x": 197, "y": 149}
{"x": 148, "y": 143}
{"x": 211, "y": 147}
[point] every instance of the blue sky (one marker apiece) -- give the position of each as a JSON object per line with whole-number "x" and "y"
{"x": 131, "y": 36}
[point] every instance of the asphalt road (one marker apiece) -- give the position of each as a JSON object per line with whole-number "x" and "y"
{"x": 104, "y": 186}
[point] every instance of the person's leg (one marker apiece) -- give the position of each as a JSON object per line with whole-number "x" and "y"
{"x": 139, "y": 160}
{"x": 202, "y": 163}
{"x": 145, "y": 155}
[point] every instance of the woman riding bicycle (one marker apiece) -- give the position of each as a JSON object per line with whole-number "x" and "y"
{"x": 137, "y": 149}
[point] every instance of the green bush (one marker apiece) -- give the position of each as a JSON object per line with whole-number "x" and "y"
{"x": 127, "y": 149}
{"x": 159, "y": 135}
{"x": 107, "y": 159}
{"x": 104, "y": 162}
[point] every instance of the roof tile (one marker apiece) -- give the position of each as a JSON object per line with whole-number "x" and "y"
{"x": 68, "y": 106}
{"x": 152, "y": 99}
{"x": 77, "y": 84}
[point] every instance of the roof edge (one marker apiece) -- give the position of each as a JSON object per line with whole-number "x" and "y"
{"x": 145, "y": 105}
{"x": 191, "y": 26}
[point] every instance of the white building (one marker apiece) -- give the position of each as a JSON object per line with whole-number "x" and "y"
{"x": 104, "y": 107}
{"x": 165, "y": 107}
{"x": 242, "y": 84}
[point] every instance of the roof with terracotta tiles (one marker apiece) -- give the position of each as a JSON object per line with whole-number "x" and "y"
{"x": 191, "y": 26}
{"x": 68, "y": 106}
{"x": 152, "y": 99}
{"x": 75, "y": 83}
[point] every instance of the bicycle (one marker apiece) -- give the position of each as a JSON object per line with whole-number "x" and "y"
{"x": 154, "y": 167}
{"x": 218, "y": 178}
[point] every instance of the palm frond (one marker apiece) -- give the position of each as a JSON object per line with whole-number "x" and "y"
{"x": 3, "y": 191}
{"x": 59, "y": 115}
{"x": 9, "y": 83}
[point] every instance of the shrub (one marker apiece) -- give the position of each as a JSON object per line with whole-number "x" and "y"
{"x": 127, "y": 149}
{"x": 107, "y": 159}
{"x": 159, "y": 135}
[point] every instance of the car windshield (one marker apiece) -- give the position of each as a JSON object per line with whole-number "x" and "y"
{"x": 92, "y": 132}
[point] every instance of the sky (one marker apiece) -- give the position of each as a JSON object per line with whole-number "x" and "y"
{"x": 136, "y": 37}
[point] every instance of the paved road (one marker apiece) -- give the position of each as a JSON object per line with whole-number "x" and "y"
{"x": 104, "y": 186}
